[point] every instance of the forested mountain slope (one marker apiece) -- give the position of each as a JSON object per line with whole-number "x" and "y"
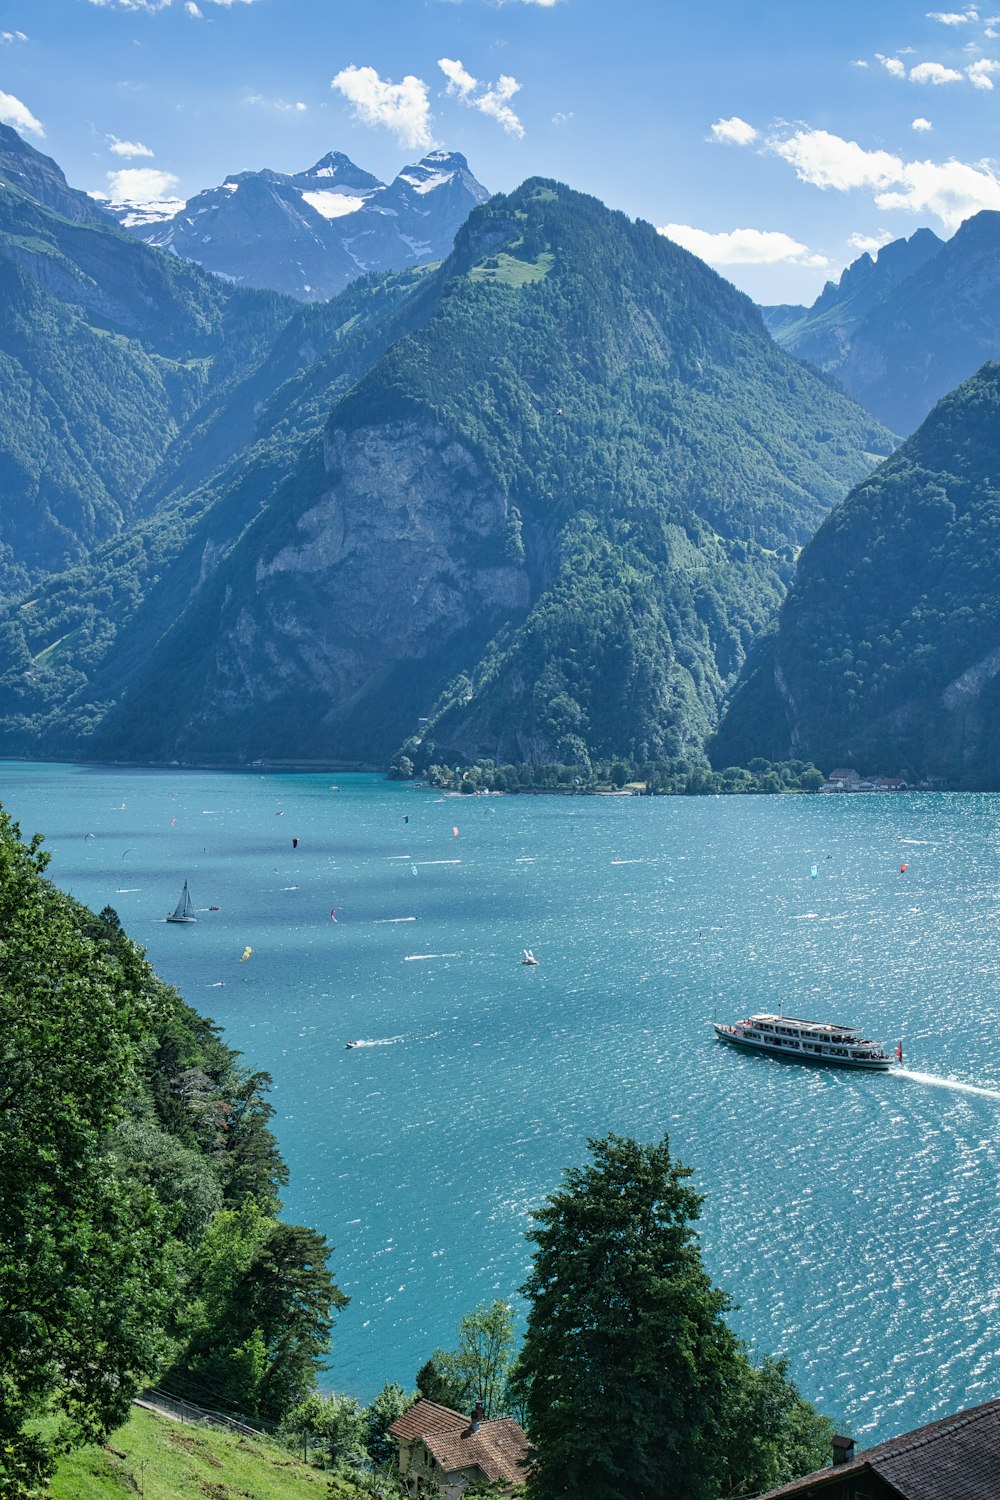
{"x": 887, "y": 656}
{"x": 548, "y": 521}
{"x": 107, "y": 351}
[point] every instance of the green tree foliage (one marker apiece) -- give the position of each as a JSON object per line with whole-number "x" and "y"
{"x": 87, "y": 1273}
{"x": 773, "y": 1435}
{"x": 390, "y": 1403}
{"x": 627, "y": 1360}
{"x": 442, "y": 1378}
{"x": 885, "y": 654}
{"x": 336, "y": 1423}
{"x": 485, "y": 1352}
{"x": 261, "y": 1313}
{"x": 126, "y": 1127}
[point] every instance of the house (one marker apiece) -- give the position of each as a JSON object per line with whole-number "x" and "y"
{"x": 843, "y": 780}
{"x": 956, "y": 1458}
{"x": 447, "y": 1450}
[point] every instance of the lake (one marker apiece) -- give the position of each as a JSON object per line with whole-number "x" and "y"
{"x": 853, "y": 1217}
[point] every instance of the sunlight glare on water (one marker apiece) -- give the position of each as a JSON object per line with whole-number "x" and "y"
{"x": 852, "y": 1217}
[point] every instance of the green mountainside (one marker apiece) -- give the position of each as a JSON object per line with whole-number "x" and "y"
{"x": 545, "y": 524}
{"x": 887, "y": 656}
{"x": 108, "y": 351}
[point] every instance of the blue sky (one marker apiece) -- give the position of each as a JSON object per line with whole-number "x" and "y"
{"x": 777, "y": 139}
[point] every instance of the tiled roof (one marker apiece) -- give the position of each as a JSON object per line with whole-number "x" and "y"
{"x": 426, "y": 1417}
{"x": 957, "y": 1457}
{"x": 498, "y": 1448}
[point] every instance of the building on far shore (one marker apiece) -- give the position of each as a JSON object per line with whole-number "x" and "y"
{"x": 955, "y": 1458}
{"x": 445, "y": 1451}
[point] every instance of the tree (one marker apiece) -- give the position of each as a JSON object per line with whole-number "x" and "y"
{"x": 87, "y": 1271}
{"x": 485, "y": 1350}
{"x": 774, "y": 1435}
{"x": 338, "y": 1422}
{"x": 441, "y": 1380}
{"x": 390, "y": 1403}
{"x": 626, "y": 1363}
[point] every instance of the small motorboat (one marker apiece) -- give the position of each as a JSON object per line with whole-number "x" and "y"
{"x": 352, "y": 1044}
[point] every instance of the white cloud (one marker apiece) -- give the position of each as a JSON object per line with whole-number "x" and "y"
{"x": 934, "y": 72}
{"x": 140, "y": 184}
{"x": 127, "y": 148}
{"x": 980, "y": 74}
{"x": 921, "y": 124}
{"x": 460, "y": 80}
{"x": 952, "y": 17}
{"x": 743, "y": 247}
{"x": 869, "y": 242}
{"x": 13, "y": 112}
{"x": 951, "y": 190}
{"x": 734, "y": 132}
{"x": 402, "y": 108}
{"x": 8, "y": 37}
{"x": 494, "y": 100}
{"x": 150, "y": 6}
{"x": 858, "y": 62}
{"x": 193, "y": 10}
{"x": 892, "y": 65}
{"x": 282, "y": 106}
{"x": 826, "y": 160}
{"x": 561, "y": 118}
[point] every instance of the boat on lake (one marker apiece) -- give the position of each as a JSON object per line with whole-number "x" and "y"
{"x": 822, "y": 1042}
{"x": 184, "y": 911}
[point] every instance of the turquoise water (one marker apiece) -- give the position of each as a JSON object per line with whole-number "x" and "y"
{"x": 854, "y": 1218}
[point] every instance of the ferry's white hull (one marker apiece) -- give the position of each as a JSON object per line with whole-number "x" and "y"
{"x": 813, "y": 1059}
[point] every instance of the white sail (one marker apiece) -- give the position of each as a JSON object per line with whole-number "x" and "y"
{"x": 184, "y": 911}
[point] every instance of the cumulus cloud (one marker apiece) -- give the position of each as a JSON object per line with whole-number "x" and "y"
{"x": 13, "y": 112}
{"x": 951, "y": 190}
{"x": 980, "y": 74}
{"x": 828, "y": 161}
{"x": 561, "y": 118}
{"x": 140, "y": 184}
{"x": 952, "y": 17}
{"x": 403, "y": 107}
{"x": 893, "y": 65}
{"x": 921, "y": 124}
{"x": 743, "y": 247}
{"x": 934, "y": 72}
{"x": 869, "y": 242}
{"x": 193, "y": 10}
{"x": 490, "y": 99}
{"x": 153, "y": 5}
{"x": 733, "y": 132}
{"x": 282, "y": 106}
{"x": 127, "y": 148}
{"x": 9, "y": 37}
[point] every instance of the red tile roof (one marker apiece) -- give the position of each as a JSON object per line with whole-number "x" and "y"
{"x": 499, "y": 1448}
{"x": 957, "y": 1457}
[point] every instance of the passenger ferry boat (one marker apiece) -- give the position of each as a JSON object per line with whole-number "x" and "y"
{"x": 805, "y": 1041}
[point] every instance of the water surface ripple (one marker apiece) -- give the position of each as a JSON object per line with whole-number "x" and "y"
{"x": 853, "y": 1218}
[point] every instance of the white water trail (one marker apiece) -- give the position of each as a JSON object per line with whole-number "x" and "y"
{"x": 946, "y": 1083}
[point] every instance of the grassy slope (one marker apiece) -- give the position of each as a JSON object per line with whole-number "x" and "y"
{"x": 190, "y": 1463}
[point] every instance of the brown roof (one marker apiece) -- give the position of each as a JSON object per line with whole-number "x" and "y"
{"x": 499, "y": 1448}
{"x": 957, "y": 1457}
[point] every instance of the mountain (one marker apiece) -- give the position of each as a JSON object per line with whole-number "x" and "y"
{"x": 887, "y": 656}
{"x": 559, "y": 494}
{"x": 109, "y": 352}
{"x": 822, "y": 334}
{"x": 311, "y": 233}
{"x": 923, "y": 334}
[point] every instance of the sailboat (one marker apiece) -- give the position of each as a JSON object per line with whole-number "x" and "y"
{"x": 529, "y": 957}
{"x": 184, "y": 911}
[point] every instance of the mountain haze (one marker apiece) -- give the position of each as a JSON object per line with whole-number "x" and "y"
{"x": 887, "y": 656}
{"x": 546, "y": 523}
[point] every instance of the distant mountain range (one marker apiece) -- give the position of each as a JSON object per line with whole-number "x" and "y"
{"x": 902, "y": 330}
{"x": 536, "y": 503}
{"x": 310, "y": 234}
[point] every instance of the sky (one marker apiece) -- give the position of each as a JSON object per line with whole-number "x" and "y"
{"x": 778, "y": 139}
